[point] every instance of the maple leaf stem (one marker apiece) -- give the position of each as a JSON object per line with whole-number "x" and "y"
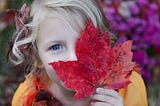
{"x": 107, "y": 77}
{"x": 88, "y": 81}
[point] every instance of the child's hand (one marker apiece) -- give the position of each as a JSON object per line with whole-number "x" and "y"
{"x": 106, "y": 97}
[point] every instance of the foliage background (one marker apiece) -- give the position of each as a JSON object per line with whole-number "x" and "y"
{"x": 147, "y": 52}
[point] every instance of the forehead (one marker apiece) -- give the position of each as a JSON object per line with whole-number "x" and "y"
{"x": 53, "y": 25}
{"x": 55, "y": 29}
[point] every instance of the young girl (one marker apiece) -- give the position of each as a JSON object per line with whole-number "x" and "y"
{"x": 54, "y": 27}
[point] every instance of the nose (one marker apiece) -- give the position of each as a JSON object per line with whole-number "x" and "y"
{"x": 71, "y": 56}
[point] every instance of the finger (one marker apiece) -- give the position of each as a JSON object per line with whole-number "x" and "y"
{"x": 100, "y": 104}
{"x": 108, "y": 92}
{"x": 107, "y": 99}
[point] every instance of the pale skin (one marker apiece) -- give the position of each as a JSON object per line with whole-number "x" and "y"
{"x": 56, "y": 41}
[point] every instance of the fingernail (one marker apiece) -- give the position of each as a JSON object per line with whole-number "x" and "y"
{"x": 99, "y": 90}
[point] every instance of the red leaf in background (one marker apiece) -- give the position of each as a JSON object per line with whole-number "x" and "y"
{"x": 21, "y": 15}
{"x": 98, "y": 64}
{"x": 8, "y": 16}
{"x": 20, "y": 19}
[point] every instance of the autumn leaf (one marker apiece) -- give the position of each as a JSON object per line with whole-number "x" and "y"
{"x": 98, "y": 64}
{"x": 21, "y": 19}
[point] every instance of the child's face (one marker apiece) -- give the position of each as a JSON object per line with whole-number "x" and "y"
{"x": 56, "y": 41}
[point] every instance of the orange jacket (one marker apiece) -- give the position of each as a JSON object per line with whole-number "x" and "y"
{"x": 133, "y": 95}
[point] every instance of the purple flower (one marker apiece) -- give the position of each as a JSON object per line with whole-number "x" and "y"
{"x": 122, "y": 27}
{"x": 139, "y": 29}
{"x": 134, "y": 9}
{"x": 110, "y": 13}
{"x": 153, "y": 19}
{"x": 152, "y": 37}
{"x": 142, "y": 2}
{"x": 140, "y": 57}
{"x": 118, "y": 18}
{"x": 153, "y": 6}
{"x": 108, "y": 2}
{"x": 151, "y": 62}
{"x": 110, "y": 10}
{"x": 157, "y": 24}
{"x": 136, "y": 38}
{"x": 132, "y": 22}
{"x": 143, "y": 23}
{"x": 122, "y": 39}
{"x": 156, "y": 39}
{"x": 141, "y": 45}
{"x": 138, "y": 20}
{"x": 146, "y": 75}
{"x": 148, "y": 34}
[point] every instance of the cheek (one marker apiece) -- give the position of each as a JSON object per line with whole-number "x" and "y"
{"x": 47, "y": 58}
{"x": 48, "y": 68}
{"x": 51, "y": 73}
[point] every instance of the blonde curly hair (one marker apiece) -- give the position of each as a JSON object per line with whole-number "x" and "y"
{"x": 66, "y": 10}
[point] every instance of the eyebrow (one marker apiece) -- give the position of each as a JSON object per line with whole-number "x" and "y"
{"x": 53, "y": 42}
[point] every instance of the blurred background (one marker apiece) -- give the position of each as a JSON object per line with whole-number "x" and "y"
{"x": 138, "y": 20}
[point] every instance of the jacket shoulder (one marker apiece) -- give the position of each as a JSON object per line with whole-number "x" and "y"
{"x": 21, "y": 94}
{"x": 135, "y": 93}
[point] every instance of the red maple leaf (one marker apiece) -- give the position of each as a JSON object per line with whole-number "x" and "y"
{"x": 98, "y": 64}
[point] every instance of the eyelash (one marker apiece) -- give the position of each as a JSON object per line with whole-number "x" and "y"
{"x": 57, "y": 48}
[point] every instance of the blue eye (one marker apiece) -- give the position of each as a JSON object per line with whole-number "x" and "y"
{"x": 56, "y": 47}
